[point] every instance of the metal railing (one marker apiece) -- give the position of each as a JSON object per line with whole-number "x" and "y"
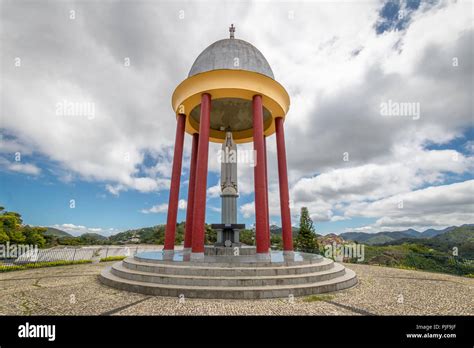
{"x": 68, "y": 254}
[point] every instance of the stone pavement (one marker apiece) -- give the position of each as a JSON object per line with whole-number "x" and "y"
{"x": 75, "y": 290}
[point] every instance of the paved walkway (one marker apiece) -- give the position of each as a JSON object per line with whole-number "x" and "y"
{"x": 75, "y": 290}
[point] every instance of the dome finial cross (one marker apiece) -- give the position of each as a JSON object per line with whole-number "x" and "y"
{"x": 231, "y": 31}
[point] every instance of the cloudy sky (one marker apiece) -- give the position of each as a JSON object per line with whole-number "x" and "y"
{"x": 106, "y": 167}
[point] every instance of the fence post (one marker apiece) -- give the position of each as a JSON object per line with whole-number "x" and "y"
{"x": 106, "y": 252}
{"x": 74, "y": 256}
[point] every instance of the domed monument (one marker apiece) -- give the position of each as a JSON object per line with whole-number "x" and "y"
{"x": 248, "y": 105}
{"x": 230, "y": 97}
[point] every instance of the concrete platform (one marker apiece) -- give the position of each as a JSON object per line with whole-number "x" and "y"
{"x": 305, "y": 274}
{"x": 230, "y": 251}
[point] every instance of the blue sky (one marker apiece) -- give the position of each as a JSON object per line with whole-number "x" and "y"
{"x": 45, "y": 200}
{"x": 116, "y": 163}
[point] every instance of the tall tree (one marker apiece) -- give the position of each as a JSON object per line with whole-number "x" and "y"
{"x": 34, "y": 235}
{"x": 306, "y": 239}
{"x": 11, "y": 226}
{"x": 12, "y": 230}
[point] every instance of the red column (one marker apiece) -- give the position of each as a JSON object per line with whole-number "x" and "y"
{"x": 261, "y": 223}
{"x": 266, "y": 191}
{"x": 199, "y": 208}
{"x": 175, "y": 181}
{"x": 191, "y": 187}
{"x": 283, "y": 181}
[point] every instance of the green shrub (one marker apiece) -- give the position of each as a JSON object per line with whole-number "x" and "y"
{"x": 315, "y": 298}
{"x": 247, "y": 237}
{"x": 4, "y": 268}
{"x": 276, "y": 242}
{"x": 112, "y": 258}
{"x": 406, "y": 267}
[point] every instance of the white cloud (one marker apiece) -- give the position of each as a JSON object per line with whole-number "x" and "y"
{"x": 214, "y": 191}
{"x": 340, "y": 189}
{"x": 411, "y": 169}
{"x": 19, "y": 167}
{"x": 215, "y": 209}
{"x": 163, "y": 208}
{"x": 13, "y": 147}
{"x": 247, "y": 210}
{"x": 335, "y": 95}
{"x": 139, "y": 184}
{"x": 25, "y": 168}
{"x": 438, "y": 206}
{"x": 159, "y": 208}
{"x": 77, "y": 230}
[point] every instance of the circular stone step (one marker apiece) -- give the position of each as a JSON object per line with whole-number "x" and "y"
{"x": 235, "y": 280}
{"x": 302, "y": 276}
{"x": 226, "y": 270}
{"x": 277, "y": 258}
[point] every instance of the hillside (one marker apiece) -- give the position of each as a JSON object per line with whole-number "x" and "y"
{"x": 463, "y": 234}
{"x": 415, "y": 256}
{"x": 460, "y": 237}
{"x": 51, "y": 231}
{"x": 152, "y": 235}
{"x": 156, "y": 235}
{"x": 390, "y": 237}
{"x": 433, "y": 233}
{"x": 380, "y": 237}
{"x": 93, "y": 236}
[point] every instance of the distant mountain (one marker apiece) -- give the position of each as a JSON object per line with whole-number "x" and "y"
{"x": 432, "y": 232}
{"x": 378, "y": 238}
{"x": 411, "y": 232}
{"x": 277, "y": 230}
{"x": 449, "y": 252}
{"x": 389, "y": 237}
{"x": 461, "y": 237}
{"x": 95, "y": 236}
{"x": 456, "y": 236}
{"x": 360, "y": 237}
{"x": 153, "y": 234}
{"x": 51, "y": 231}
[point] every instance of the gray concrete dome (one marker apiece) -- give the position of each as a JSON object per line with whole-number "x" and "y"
{"x": 223, "y": 54}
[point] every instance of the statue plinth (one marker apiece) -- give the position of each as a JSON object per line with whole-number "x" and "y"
{"x": 228, "y": 234}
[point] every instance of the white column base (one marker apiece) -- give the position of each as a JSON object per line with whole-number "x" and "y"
{"x": 168, "y": 254}
{"x": 197, "y": 257}
{"x": 263, "y": 257}
{"x": 288, "y": 255}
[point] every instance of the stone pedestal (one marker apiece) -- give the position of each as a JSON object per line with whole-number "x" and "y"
{"x": 228, "y": 234}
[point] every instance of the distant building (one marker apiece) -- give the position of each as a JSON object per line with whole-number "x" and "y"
{"x": 330, "y": 239}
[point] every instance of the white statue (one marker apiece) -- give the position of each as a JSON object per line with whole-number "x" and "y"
{"x": 229, "y": 190}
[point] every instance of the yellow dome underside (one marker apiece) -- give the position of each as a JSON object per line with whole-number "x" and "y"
{"x": 230, "y": 84}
